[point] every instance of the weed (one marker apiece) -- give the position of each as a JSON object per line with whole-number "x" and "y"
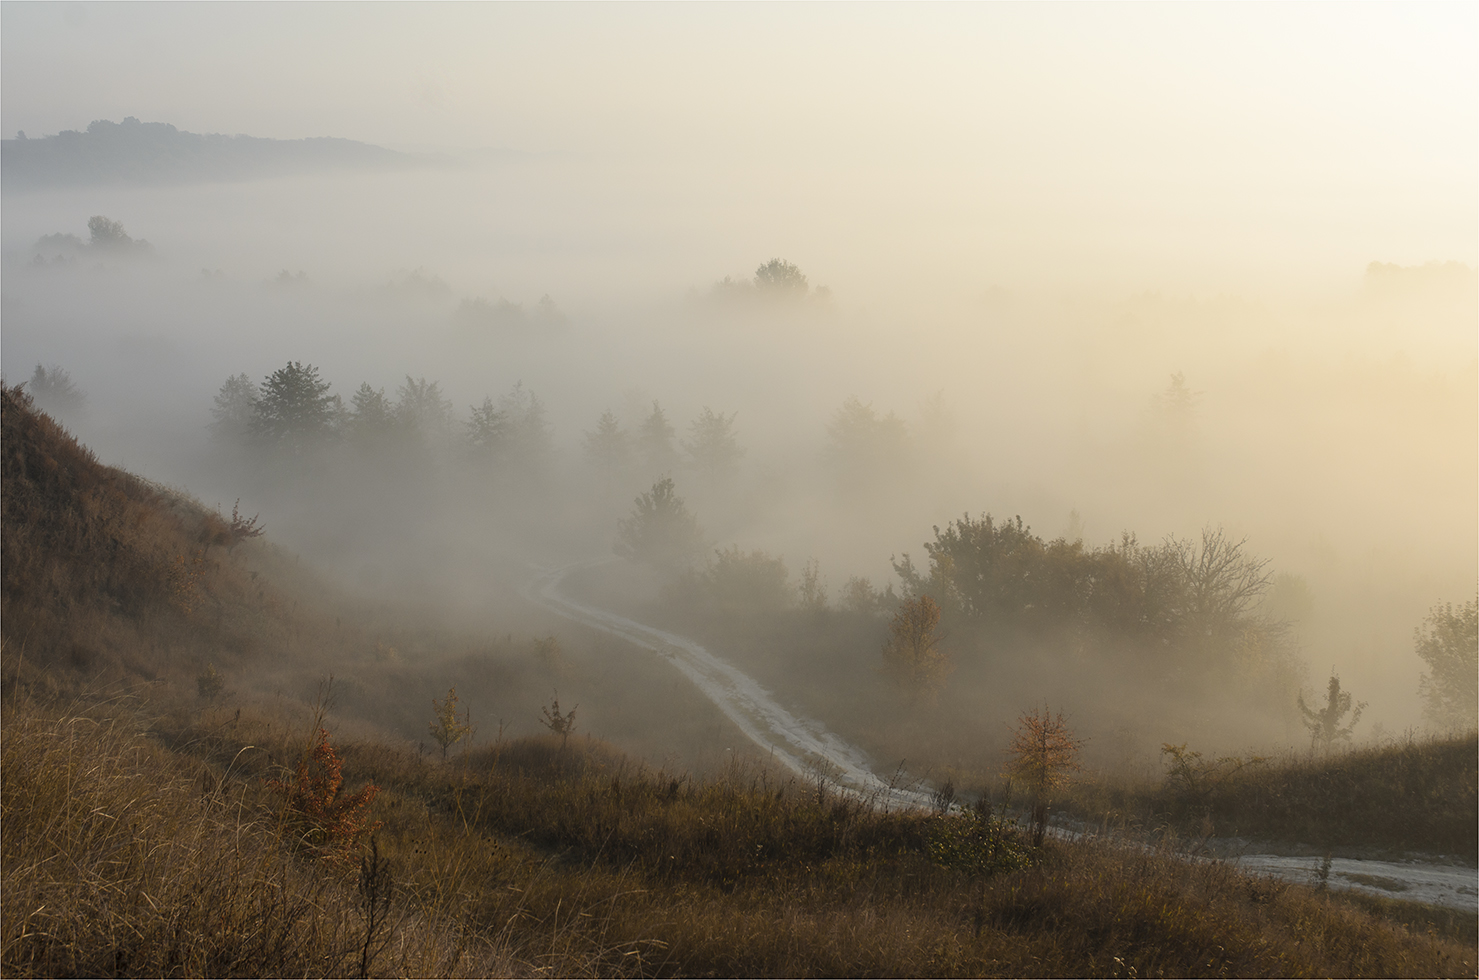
{"x": 562, "y": 725}
{"x": 376, "y": 889}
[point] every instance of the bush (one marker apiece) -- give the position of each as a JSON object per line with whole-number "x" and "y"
{"x": 328, "y": 824}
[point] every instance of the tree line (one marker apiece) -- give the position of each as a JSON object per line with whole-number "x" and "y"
{"x": 295, "y": 411}
{"x": 1185, "y": 605}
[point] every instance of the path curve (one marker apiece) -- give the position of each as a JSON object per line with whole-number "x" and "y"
{"x": 803, "y": 745}
{"x": 807, "y": 748}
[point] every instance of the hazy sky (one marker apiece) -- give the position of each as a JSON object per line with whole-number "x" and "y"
{"x": 1202, "y": 144}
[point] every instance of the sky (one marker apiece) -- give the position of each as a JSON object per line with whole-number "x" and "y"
{"x": 1209, "y": 146}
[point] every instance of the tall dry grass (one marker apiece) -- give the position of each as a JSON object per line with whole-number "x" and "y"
{"x": 1419, "y": 795}
{"x": 582, "y": 862}
{"x": 121, "y": 858}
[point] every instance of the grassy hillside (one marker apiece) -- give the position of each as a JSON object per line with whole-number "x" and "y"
{"x": 149, "y": 829}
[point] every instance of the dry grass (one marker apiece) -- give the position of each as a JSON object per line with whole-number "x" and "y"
{"x": 582, "y": 862}
{"x": 1420, "y": 795}
{"x": 119, "y": 860}
{"x": 125, "y": 857}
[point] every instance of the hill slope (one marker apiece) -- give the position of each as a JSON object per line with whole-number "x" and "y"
{"x": 139, "y": 153}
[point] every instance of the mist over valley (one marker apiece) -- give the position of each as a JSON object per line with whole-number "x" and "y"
{"x": 815, "y": 404}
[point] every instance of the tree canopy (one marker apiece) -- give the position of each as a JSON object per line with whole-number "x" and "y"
{"x": 782, "y": 277}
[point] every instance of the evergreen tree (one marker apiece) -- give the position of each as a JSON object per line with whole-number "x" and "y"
{"x": 660, "y": 530}
{"x": 713, "y": 450}
{"x": 294, "y": 408}
{"x": 607, "y": 446}
{"x": 235, "y": 407}
{"x": 371, "y": 414}
{"x": 655, "y": 442}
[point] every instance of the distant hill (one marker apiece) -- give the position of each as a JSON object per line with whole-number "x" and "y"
{"x": 140, "y": 153}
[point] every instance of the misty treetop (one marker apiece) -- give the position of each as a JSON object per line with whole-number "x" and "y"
{"x": 371, "y": 414}
{"x": 421, "y": 409}
{"x": 608, "y": 446}
{"x": 53, "y": 391}
{"x": 655, "y": 441}
{"x": 713, "y": 450}
{"x": 776, "y": 281}
{"x": 293, "y": 407}
{"x": 865, "y": 448}
{"x": 1448, "y": 643}
{"x": 294, "y": 410}
{"x": 661, "y": 531}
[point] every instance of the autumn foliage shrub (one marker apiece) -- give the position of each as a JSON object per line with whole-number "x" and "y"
{"x": 327, "y": 822}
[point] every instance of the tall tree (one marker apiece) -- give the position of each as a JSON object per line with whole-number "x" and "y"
{"x": 234, "y": 409}
{"x": 655, "y": 443}
{"x": 529, "y": 440}
{"x": 713, "y": 451}
{"x": 371, "y": 414}
{"x": 421, "y": 410}
{"x": 660, "y": 530}
{"x": 607, "y": 445}
{"x": 1448, "y": 642}
{"x": 487, "y": 431}
{"x": 864, "y": 447}
{"x": 912, "y": 654}
{"x": 54, "y": 393}
{"x": 294, "y": 408}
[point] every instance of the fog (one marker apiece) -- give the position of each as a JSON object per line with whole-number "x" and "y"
{"x": 1114, "y": 269}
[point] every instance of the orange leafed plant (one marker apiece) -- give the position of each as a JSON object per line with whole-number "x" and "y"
{"x": 327, "y": 823}
{"x": 1044, "y": 753}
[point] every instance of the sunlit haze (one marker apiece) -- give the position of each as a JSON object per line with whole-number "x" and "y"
{"x": 1116, "y": 268}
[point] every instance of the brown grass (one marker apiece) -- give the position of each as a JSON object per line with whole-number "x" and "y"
{"x": 1420, "y": 795}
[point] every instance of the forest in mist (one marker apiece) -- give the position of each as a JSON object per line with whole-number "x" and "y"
{"x": 739, "y": 489}
{"x": 440, "y": 330}
{"x": 418, "y": 440}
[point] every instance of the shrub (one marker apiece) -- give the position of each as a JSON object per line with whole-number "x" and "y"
{"x": 1324, "y": 725}
{"x": 322, "y": 820}
{"x": 976, "y": 843}
{"x": 445, "y": 728}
